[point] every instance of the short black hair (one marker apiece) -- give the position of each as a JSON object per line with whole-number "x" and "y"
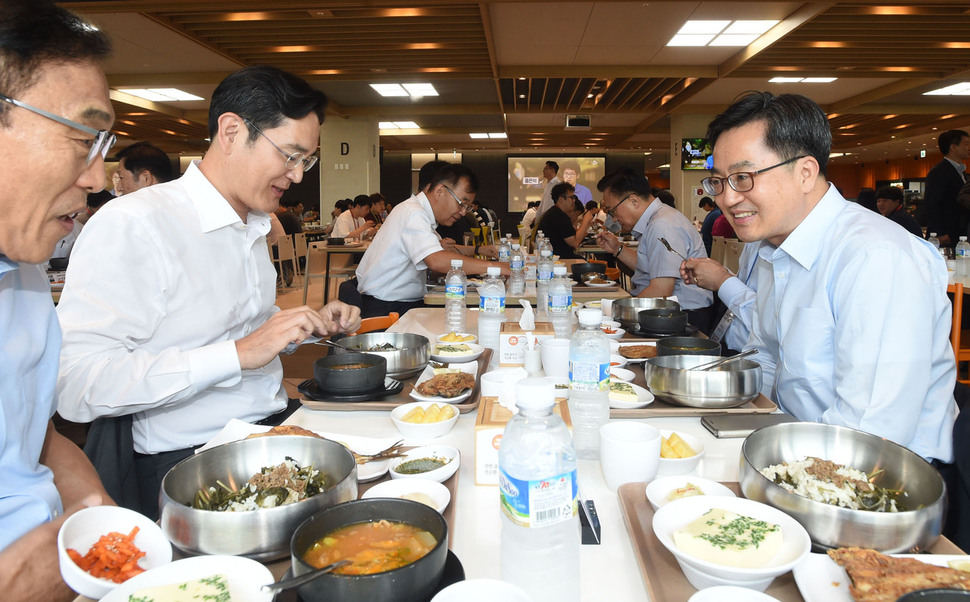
{"x": 623, "y": 181}
{"x": 706, "y": 201}
{"x": 144, "y": 155}
{"x": 794, "y": 124}
{"x": 35, "y": 32}
{"x": 592, "y": 205}
{"x": 342, "y": 204}
{"x": 561, "y": 189}
{"x": 376, "y": 197}
{"x": 949, "y": 138}
{"x": 265, "y": 96}
{"x": 97, "y": 199}
{"x": 362, "y": 200}
{"x": 427, "y": 172}
{"x": 665, "y": 196}
{"x": 290, "y": 201}
{"x": 892, "y": 193}
{"x": 452, "y": 173}
{"x": 553, "y": 165}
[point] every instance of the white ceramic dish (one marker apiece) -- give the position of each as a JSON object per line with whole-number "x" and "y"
{"x": 659, "y": 488}
{"x": 617, "y": 360}
{"x": 796, "y": 544}
{"x": 399, "y": 488}
{"x": 413, "y": 430}
{"x": 730, "y": 593}
{"x": 820, "y": 579}
{"x": 622, "y": 374}
{"x": 473, "y": 339}
{"x": 444, "y": 452}
{"x": 245, "y": 577}
{"x": 474, "y": 353}
{"x": 677, "y": 466}
{"x": 616, "y": 334}
{"x": 371, "y": 471}
{"x": 428, "y": 374}
{"x": 481, "y": 590}
{"x": 630, "y": 344}
{"x": 84, "y": 528}
{"x": 644, "y": 398}
{"x": 604, "y": 284}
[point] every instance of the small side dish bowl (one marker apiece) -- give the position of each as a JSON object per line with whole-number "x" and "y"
{"x": 677, "y": 466}
{"x": 429, "y": 430}
{"x": 659, "y": 488}
{"x": 84, "y": 528}
{"x": 617, "y": 361}
{"x": 446, "y": 453}
{"x": 676, "y": 515}
{"x": 622, "y": 374}
{"x": 431, "y": 493}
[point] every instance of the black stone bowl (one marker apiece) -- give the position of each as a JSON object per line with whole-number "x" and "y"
{"x": 415, "y": 581}
{"x": 662, "y": 321}
{"x": 350, "y": 381}
{"x": 687, "y": 346}
{"x": 579, "y": 269}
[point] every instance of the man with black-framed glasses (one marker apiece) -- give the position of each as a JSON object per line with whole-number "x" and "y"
{"x": 851, "y": 317}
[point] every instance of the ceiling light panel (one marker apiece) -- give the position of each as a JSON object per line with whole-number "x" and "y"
{"x": 419, "y": 90}
{"x": 690, "y": 40}
{"x": 478, "y": 135}
{"x": 389, "y": 90}
{"x": 161, "y": 94}
{"x": 698, "y": 26}
{"x": 407, "y": 125}
{"x": 960, "y": 89}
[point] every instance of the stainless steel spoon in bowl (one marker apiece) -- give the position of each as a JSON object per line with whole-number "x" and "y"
{"x": 724, "y": 360}
{"x": 285, "y": 584}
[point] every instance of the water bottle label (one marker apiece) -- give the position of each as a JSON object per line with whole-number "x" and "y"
{"x": 539, "y": 503}
{"x": 454, "y": 291}
{"x": 560, "y": 302}
{"x": 963, "y": 253}
{"x": 491, "y": 304}
{"x": 517, "y": 264}
{"x": 545, "y": 274}
{"x": 589, "y": 377}
{"x": 503, "y": 255}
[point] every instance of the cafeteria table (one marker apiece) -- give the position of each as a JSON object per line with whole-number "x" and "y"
{"x": 608, "y": 571}
{"x": 581, "y": 294}
{"x": 329, "y": 250}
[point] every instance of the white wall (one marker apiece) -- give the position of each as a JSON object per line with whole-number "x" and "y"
{"x": 349, "y": 160}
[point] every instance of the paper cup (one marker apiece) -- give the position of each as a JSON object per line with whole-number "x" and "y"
{"x": 629, "y": 452}
{"x": 555, "y": 357}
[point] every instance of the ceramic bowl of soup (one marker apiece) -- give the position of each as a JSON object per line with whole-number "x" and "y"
{"x": 350, "y": 373}
{"x": 378, "y": 529}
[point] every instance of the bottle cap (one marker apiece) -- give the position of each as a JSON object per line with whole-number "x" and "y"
{"x": 589, "y": 317}
{"x": 559, "y": 270}
{"x": 963, "y": 238}
{"x": 496, "y": 271}
{"x": 515, "y": 246}
{"x": 535, "y": 393}
{"x": 456, "y": 263}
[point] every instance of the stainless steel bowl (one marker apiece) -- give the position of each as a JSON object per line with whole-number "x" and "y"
{"x": 627, "y": 311}
{"x": 411, "y": 354}
{"x": 261, "y": 534}
{"x": 669, "y": 377}
{"x": 830, "y": 526}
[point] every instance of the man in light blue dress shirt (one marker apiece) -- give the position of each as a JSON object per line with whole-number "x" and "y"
{"x": 54, "y": 115}
{"x": 852, "y": 320}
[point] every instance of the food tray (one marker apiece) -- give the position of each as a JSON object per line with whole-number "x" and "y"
{"x": 662, "y": 576}
{"x": 392, "y": 401}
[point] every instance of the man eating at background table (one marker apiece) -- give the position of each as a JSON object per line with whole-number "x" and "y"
{"x": 852, "y": 320}
{"x": 168, "y": 309}
{"x": 54, "y": 112}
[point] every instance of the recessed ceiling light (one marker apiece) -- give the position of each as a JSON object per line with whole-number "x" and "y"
{"x": 750, "y": 26}
{"x": 819, "y": 80}
{"x": 690, "y": 40}
{"x": 419, "y": 90}
{"x": 521, "y": 95}
{"x": 961, "y": 89}
{"x": 705, "y": 33}
{"x": 161, "y": 94}
{"x": 497, "y": 135}
{"x": 407, "y": 125}
{"x": 386, "y": 125}
{"x": 703, "y": 26}
{"x": 388, "y": 90}
{"x": 478, "y": 135}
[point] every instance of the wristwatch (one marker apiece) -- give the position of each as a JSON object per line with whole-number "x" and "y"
{"x": 618, "y": 251}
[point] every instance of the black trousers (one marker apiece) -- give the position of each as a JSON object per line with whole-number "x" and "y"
{"x": 372, "y": 306}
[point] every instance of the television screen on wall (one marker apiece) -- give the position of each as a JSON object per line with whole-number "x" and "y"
{"x": 695, "y": 153}
{"x": 526, "y": 182}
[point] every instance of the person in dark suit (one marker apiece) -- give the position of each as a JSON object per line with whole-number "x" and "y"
{"x": 947, "y": 218}
{"x": 889, "y": 200}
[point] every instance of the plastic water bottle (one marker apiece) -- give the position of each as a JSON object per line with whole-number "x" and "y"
{"x": 517, "y": 264}
{"x": 561, "y": 303}
{"x": 589, "y": 383}
{"x": 504, "y": 250}
{"x": 543, "y": 278}
{"x": 455, "y": 284}
{"x": 539, "y": 499}
{"x": 491, "y": 305}
{"x": 963, "y": 257}
{"x": 933, "y": 240}
{"x": 546, "y": 244}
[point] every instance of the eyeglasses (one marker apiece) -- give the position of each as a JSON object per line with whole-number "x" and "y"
{"x": 741, "y": 181}
{"x": 464, "y": 206}
{"x": 612, "y": 212}
{"x": 292, "y": 159}
{"x": 99, "y": 145}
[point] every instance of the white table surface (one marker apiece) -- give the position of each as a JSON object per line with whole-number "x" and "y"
{"x": 608, "y": 571}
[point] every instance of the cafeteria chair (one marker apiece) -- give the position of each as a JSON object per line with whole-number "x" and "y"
{"x": 961, "y": 353}
{"x": 300, "y": 250}
{"x": 719, "y": 249}
{"x": 732, "y": 254}
{"x": 282, "y": 253}
{"x": 377, "y": 323}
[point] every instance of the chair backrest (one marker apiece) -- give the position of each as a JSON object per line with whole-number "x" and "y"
{"x": 316, "y": 259}
{"x": 285, "y": 245}
{"x": 377, "y": 323}
{"x": 299, "y": 244}
{"x": 957, "y": 290}
{"x": 718, "y": 249}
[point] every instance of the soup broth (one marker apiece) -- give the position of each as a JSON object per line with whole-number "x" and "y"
{"x": 371, "y": 547}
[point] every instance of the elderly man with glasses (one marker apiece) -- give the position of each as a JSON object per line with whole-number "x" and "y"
{"x": 627, "y": 199}
{"x": 852, "y": 321}
{"x": 392, "y": 274}
{"x": 168, "y": 311}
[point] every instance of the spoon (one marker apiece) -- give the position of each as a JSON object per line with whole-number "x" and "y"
{"x": 285, "y": 584}
{"x": 724, "y": 360}
{"x": 671, "y": 249}
{"x": 332, "y": 343}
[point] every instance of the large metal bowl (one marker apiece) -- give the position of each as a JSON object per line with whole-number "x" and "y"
{"x": 830, "y": 526}
{"x": 669, "y": 377}
{"x": 411, "y": 354}
{"x": 260, "y": 534}
{"x": 627, "y": 311}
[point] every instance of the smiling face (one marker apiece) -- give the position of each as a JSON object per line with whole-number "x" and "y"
{"x": 780, "y": 198}
{"x": 45, "y": 176}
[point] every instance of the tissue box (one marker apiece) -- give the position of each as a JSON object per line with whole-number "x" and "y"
{"x": 489, "y": 425}
{"x": 513, "y": 341}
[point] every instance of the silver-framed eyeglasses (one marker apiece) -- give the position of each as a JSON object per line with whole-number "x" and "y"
{"x": 292, "y": 159}
{"x": 464, "y": 206}
{"x": 739, "y": 181}
{"x": 612, "y": 212}
{"x": 101, "y": 142}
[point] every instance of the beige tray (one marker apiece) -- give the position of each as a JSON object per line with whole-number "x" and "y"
{"x": 392, "y": 401}
{"x": 662, "y": 576}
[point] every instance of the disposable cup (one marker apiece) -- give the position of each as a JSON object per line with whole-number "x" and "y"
{"x": 555, "y": 357}
{"x": 629, "y": 452}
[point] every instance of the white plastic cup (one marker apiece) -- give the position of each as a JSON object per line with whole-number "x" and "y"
{"x": 555, "y": 357}
{"x": 606, "y": 305}
{"x": 629, "y": 452}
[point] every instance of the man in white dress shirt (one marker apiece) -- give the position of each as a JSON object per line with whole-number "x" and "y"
{"x": 356, "y": 221}
{"x": 549, "y": 172}
{"x": 168, "y": 311}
